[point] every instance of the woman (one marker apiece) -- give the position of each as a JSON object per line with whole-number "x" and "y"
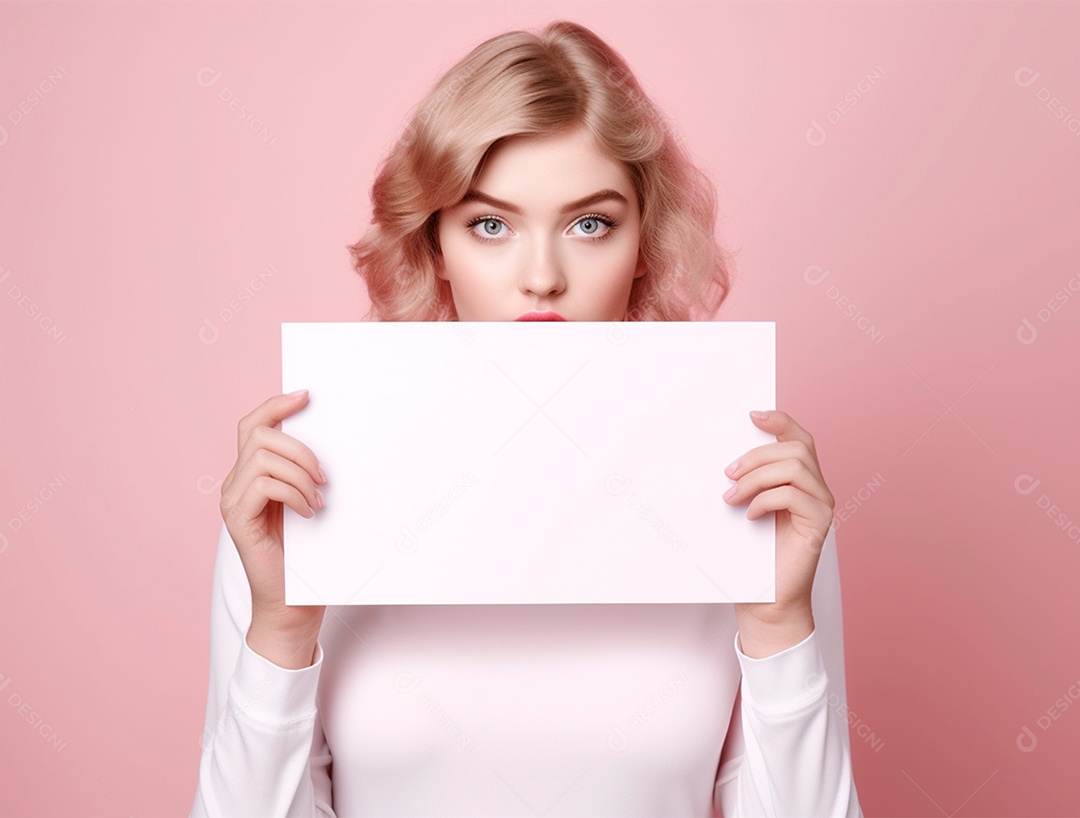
{"x": 536, "y": 180}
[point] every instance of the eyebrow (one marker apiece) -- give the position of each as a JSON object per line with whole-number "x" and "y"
{"x": 594, "y": 198}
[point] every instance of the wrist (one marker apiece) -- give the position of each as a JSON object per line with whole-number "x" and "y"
{"x": 293, "y": 621}
{"x": 760, "y": 638}
{"x": 284, "y": 638}
{"x": 289, "y": 651}
{"x": 774, "y": 614}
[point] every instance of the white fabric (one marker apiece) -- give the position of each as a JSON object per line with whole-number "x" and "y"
{"x": 504, "y": 710}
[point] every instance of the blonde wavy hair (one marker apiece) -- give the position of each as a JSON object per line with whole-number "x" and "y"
{"x": 521, "y": 83}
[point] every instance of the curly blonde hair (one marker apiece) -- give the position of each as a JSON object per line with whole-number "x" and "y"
{"x": 521, "y": 83}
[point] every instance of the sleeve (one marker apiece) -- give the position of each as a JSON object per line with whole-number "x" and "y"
{"x": 263, "y": 748}
{"x": 787, "y": 750}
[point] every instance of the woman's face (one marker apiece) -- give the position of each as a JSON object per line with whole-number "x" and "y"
{"x": 545, "y": 244}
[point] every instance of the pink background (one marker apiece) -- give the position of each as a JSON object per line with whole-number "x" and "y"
{"x": 153, "y": 239}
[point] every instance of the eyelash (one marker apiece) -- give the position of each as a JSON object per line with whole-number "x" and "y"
{"x": 611, "y": 225}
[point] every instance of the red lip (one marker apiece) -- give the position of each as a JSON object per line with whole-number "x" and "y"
{"x": 540, "y": 316}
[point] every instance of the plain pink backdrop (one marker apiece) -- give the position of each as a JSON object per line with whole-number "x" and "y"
{"x": 899, "y": 181}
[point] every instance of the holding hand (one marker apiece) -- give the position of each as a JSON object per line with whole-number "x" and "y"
{"x": 272, "y": 470}
{"x": 784, "y": 477}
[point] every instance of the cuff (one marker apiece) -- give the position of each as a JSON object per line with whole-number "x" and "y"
{"x": 786, "y": 681}
{"x": 273, "y": 695}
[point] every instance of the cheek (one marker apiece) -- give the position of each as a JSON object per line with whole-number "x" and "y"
{"x": 614, "y": 267}
{"x": 459, "y": 258}
{"x": 475, "y": 277}
{"x": 469, "y": 271}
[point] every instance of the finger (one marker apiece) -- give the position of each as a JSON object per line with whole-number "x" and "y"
{"x": 277, "y": 441}
{"x": 260, "y": 491}
{"x": 785, "y": 428}
{"x": 790, "y": 499}
{"x": 268, "y": 413}
{"x": 269, "y": 462}
{"x": 789, "y": 471}
{"x": 775, "y": 453}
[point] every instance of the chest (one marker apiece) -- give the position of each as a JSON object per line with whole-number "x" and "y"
{"x": 506, "y": 688}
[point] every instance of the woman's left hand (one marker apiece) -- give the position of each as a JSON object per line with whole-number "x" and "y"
{"x": 785, "y": 477}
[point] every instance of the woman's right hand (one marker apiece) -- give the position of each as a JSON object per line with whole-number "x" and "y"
{"x": 272, "y": 470}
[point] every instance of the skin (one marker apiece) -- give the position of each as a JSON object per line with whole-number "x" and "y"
{"x": 784, "y": 477}
{"x": 272, "y": 470}
{"x": 542, "y": 259}
{"x": 539, "y": 259}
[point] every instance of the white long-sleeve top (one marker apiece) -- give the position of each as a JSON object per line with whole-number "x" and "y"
{"x": 531, "y": 710}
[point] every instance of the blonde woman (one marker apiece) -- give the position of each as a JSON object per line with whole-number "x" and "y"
{"x": 535, "y": 182}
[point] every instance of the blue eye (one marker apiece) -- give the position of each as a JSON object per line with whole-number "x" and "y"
{"x": 590, "y": 223}
{"x": 487, "y": 222}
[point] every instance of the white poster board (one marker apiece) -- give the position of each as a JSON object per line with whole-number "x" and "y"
{"x": 528, "y": 462}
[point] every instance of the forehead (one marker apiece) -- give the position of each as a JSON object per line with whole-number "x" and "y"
{"x": 549, "y": 170}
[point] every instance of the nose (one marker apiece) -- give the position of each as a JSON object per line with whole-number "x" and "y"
{"x": 542, "y": 271}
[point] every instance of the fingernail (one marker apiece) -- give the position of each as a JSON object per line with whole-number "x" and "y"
{"x": 296, "y": 394}
{"x": 759, "y": 415}
{"x": 730, "y": 492}
{"x": 322, "y": 473}
{"x": 734, "y": 467}
{"x": 319, "y": 501}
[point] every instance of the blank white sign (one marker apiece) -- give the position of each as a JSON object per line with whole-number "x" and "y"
{"x": 528, "y": 462}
